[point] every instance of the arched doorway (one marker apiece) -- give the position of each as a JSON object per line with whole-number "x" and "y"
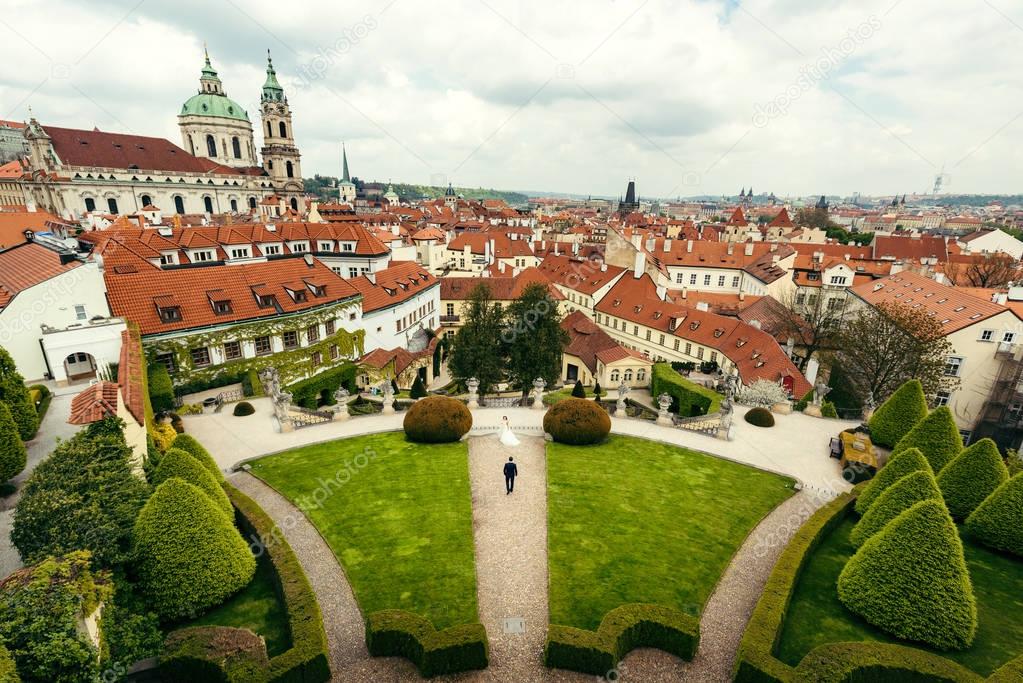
{"x": 79, "y": 366}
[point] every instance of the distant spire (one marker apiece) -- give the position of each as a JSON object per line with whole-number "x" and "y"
{"x": 345, "y": 177}
{"x": 742, "y": 192}
{"x": 272, "y": 89}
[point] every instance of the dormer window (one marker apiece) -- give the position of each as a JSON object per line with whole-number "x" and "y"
{"x": 719, "y": 331}
{"x": 695, "y": 325}
{"x": 326, "y": 246}
{"x": 348, "y": 246}
{"x": 741, "y": 343}
{"x": 221, "y": 307}
{"x": 756, "y": 354}
{"x": 240, "y": 252}
{"x": 299, "y": 247}
{"x": 616, "y": 303}
{"x": 170, "y": 314}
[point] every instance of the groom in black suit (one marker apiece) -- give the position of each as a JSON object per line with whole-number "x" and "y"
{"x": 510, "y": 472}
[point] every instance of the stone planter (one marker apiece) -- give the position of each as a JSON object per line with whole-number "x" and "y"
{"x": 782, "y": 407}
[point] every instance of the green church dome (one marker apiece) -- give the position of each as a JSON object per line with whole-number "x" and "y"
{"x": 214, "y": 104}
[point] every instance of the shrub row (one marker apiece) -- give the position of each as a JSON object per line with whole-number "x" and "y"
{"x": 219, "y": 654}
{"x": 756, "y": 661}
{"x": 251, "y": 384}
{"x": 161, "y": 389}
{"x": 221, "y": 379}
{"x": 319, "y": 389}
{"x": 687, "y": 398}
{"x": 622, "y": 630}
{"x": 397, "y": 633}
{"x": 880, "y": 662}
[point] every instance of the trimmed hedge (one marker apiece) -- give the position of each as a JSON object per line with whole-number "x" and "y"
{"x": 13, "y": 454}
{"x": 911, "y": 580}
{"x": 577, "y": 422}
{"x": 900, "y": 465}
{"x": 756, "y": 661}
{"x": 879, "y": 663}
{"x": 1010, "y": 672}
{"x": 418, "y": 389}
{"x": 161, "y": 389}
{"x": 998, "y": 521}
{"x": 190, "y": 556}
{"x": 937, "y": 437}
{"x": 971, "y": 477}
{"x": 397, "y": 633}
{"x": 191, "y": 445}
{"x": 687, "y": 398}
{"x": 251, "y": 384}
{"x": 759, "y": 417}
{"x": 896, "y": 499}
{"x": 622, "y": 630}
{"x": 213, "y": 654}
{"x": 307, "y": 392}
{"x": 181, "y": 464}
{"x": 898, "y": 414}
{"x": 437, "y": 419}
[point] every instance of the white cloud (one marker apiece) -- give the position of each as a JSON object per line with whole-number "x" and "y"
{"x": 561, "y": 95}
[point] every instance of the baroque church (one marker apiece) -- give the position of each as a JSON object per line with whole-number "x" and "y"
{"x": 71, "y": 172}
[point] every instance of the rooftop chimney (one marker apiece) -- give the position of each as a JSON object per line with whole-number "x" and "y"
{"x": 685, "y": 293}
{"x": 371, "y": 276}
{"x": 661, "y": 292}
{"x": 603, "y": 267}
{"x": 650, "y": 242}
{"x": 755, "y": 324}
{"x": 689, "y": 247}
{"x": 667, "y": 244}
{"x": 749, "y": 249}
{"x": 702, "y": 306}
{"x": 639, "y": 265}
{"x": 731, "y": 248}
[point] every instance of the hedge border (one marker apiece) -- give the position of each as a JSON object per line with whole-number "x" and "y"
{"x": 836, "y": 662}
{"x": 622, "y": 630}
{"x": 307, "y": 660}
{"x": 398, "y": 633}
{"x": 663, "y": 379}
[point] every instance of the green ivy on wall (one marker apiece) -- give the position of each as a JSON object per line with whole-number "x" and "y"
{"x": 292, "y": 364}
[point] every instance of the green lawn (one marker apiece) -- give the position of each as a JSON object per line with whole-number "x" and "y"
{"x": 400, "y": 520}
{"x": 632, "y": 520}
{"x": 561, "y": 394}
{"x": 816, "y": 616}
{"x": 258, "y": 608}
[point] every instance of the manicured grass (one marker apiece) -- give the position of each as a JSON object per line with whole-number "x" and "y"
{"x": 632, "y": 520}
{"x": 397, "y": 514}
{"x": 258, "y": 608}
{"x": 561, "y": 394}
{"x": 816, "y": 616}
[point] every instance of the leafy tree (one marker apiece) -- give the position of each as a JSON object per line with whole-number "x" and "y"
{"x": 534, "y": 338}
{"x": 84, "y": 496}
{"x": 971, "y": 477}
{"x": 477, "y": 347}
{"x": 898, "y": 414}
{"x": 13, "y": 455}
{"x": 14, "y": 393}
{"x": 937, "y": 437}
{"x": 810, "y": 321}
{"x": 189, "y": 556}
{"x": 578, "y": 391}
{"x": 984, "y": 270}
{"x": 911, "y": 580}
{"x": 883, "y": 346}
{"x": 418, "y": 390}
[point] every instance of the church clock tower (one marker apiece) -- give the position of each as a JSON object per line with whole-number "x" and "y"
{"x": 281, "y": 159}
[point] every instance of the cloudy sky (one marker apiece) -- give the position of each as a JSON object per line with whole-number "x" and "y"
{"x": 689, "y": 97}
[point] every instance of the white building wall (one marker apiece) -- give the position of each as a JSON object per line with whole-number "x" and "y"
{"x": 421, "y": 311}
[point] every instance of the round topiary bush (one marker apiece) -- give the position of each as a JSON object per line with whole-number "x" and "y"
{"x": 437, "y": 419}
{"x": 759, "y": 417}
{"x": 190, "y": 557}
{"x": 189, "y": 444}
{"x": 577, "y": 421}
{"x": 972, "y": 476}
{"x": 243, "y": 408}
{"x": 897, "y": 498}
{"x": 178, "y": 463}
{"x": 998, "y": 521}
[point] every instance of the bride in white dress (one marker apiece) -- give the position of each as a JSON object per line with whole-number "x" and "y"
{"x": 507, "y": 438}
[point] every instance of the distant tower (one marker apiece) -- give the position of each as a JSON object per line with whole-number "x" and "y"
{"x": 214, "y": 126}
{"x": 630, "y": 203}
{"x": 40, "y": 148}
{"x": 281, "y": 159}
{"x": 391, "y": 196}
{"x": 345, "y": 188}
{"x": 450, "y": 198}
{"x": 822, "y": 203}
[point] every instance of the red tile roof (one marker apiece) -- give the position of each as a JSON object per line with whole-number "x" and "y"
{"x": 399, "y": 282}
{"x": 27, "y": 265}
{"x": 129, "y": 375}
{"x": 782, "y": 220}
{"x": 501, "y": 288}
{"x": 13, "y": 225}
{"x": 910, "y": 248}
{"x": 94, "y": 403}
{"x": 137, "y": 290}
{"x": 588, "y": 342}
{"x": 504, "y": 246}
{"x": 738, "y": 218}
{"x": 580, "y": 274}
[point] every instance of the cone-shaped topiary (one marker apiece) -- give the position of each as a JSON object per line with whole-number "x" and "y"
{"x": 180, "y": 464}
{"x": 15, "y": 394}
{"x": 418, "y": 389}
{"x": 577, "y": 421}
{"x": 191, "y": 445}
{"x": 13, "y": 455}
{"x": 900, "y": 496}
{"x": 899, "y": 465}
{"x": 971, "y": 477}
{"x": 897, "y": 415}
{"x": 998, "y": 521}
{"x": 910, "y": 580}
{"x": 937, "y": 437}
{"x": 597, "y": 390}
{"x": 578, "y": 391}
{"x": 190, "y": 555}
{"x": 437, "y": 419}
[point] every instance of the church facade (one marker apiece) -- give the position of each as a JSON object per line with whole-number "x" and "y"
{"x": 71, "y": 172}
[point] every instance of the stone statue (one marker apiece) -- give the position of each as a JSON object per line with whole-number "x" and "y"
{"x": 663, "y": 403}
{"x": 623, "y": 391}
{"x": 820, "y": 390}
{"x": 341, "y": 409}
{"x": 539, "y": 384}
{"x": 388, "y": 392}
{"x": 473, "y": 385}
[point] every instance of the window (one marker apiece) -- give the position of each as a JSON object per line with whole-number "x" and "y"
{"x": 284, "y": 129}
{"x": 834, "y": 303}
{"x": 640, "y": 375}
{"x": 713, "y": 356}
{"x": 211, "y": 146}
{"x": 198, "y": 256}
{"x": 252, "y": 202}
{"x": 290, "y": 171}
{"x": 207, "y": 202}
{"x": 676, "y": 344}
{"x": 232, "y": 350}
{"x": 450, "y": 309}
{"x": 317, "y": 359}
{"x": 221, "y": 307}
{"x": 689, "y": 349}
{"x": 941, "y": 399}
{"x": 269, "y": 130}
{"x": 347, "y": 246}
{"x": 325, "y": 246}
{"x": 90, "y": 204}
{"x": 80, "y": 313}
{"x": 234, "y": 205}
{"x": 800, "y": 298}
{"x": 262, "y": 345}
{"x": 838, "y": 279}
{"x": 272, "y": 249}
{"x": 692, "y": 278}
{"x": 735, "y": 281}
{"x": 298, "y": 247}
{"x": 680, "y": 277}
{"x": 170, "y": 314}
{"x": 628, "y": 375}
{"x": 146, "y": 200}
{"x": 1008, "y": 337}
{"x": 236, "y": 147}
{"x": 987, "y": 335}
{"x": 662, "y": 340}
{"x": 635, "y": 330}
{"x": 721, "y": 280}
{"x": 240, "y": 252}
{"x": 706, "y": 280}
{"x": 112, "y": 205}
{"x": 290, "y": 339}
{"x": 699, "y": 353}
{"x": 200, "y": 357}
{"x": 329, "y": 327}
{"x": 614, "y": 375}
{"x": 953, "y": 366}
{"x": 353, "y": 272}
{"x": 312, "y": 333}
{"x": 334, "y": 352}
{"x": 648, "y": 335}
{"x": 179, "y": 204}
